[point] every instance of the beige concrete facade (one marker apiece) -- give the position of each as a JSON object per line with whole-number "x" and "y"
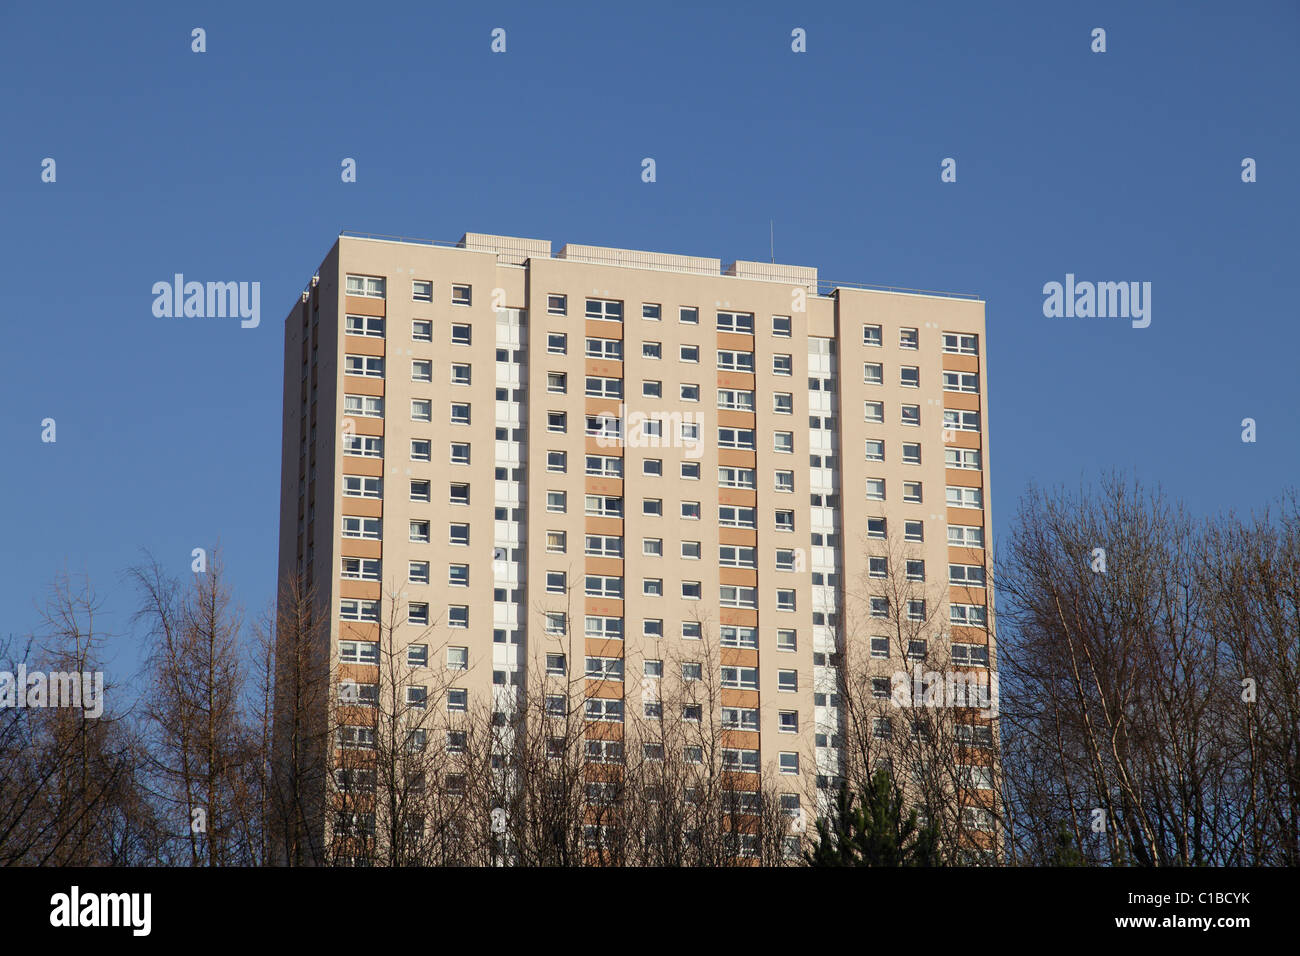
{"x": 510, "y": 434}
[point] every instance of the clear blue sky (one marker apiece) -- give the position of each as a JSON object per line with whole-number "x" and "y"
{"x": 225, "y": 166}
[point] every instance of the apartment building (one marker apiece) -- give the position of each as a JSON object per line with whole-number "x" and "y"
{"x": 508, "y": 444}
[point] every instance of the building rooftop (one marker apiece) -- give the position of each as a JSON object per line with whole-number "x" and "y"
{"x": 513, "y": 250}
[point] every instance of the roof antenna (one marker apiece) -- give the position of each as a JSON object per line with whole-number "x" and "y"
{"x": 771, "y": 232}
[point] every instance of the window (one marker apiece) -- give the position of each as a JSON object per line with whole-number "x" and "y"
{"x": 966, "y": 575}
{"x": 598, "y": 387}
{"x": 781, "y": 326}
{"x": 691, "y": 510}
{"x": 689, "y": 353}
{"x": 736, "y": 477}
{"x": 557, "y": 382}
{"x": 880, "y": 648}
{"x": 556, "y": 622}
{"x": 556, "y": 582}
{"x": 875, "y": 449}
{"x": 652, "y": 389}
{"x": 421, "y": 449}
{"x": 965, "y": 536}
{"x": 651, "y": 350}
{"x": 960, "y": 420}
{"x": 352, "y": 609}
{"x": 420, "y": 490}
{"x": 362, "y": 486}
{"x": 740, "y": 718}
{"x": 557, "y": 461}
{"x": 458, "y": 534}
{"x": 557, "y": 422}
{"x": 459, "y": 413}
{"x": 555, "y": 708}
{"x": 909, "y": 376}
{"x": 605, "y": 668}
{"x": 735, "y": 516}
{"x": 606, "y": 586}
{"x": 737, "y": 556}
{"x": 912, "y": 492}
{"x": 457, "y": 616}
{"x": 608, "y": 349}
{"x": 879, "y": 606}
{"x": 916, "y": 610}
{"x": 967, "y": 615}
{"x": 738, "y": 399}
{"x": 789, "y": 763}
{"x": 784, "y": 481}
{"x": 736, "y": 437}
{"x": 913, "y": 531}
{"x": 873, "y": 373}
{"x": 731, "y": 635}
{"x": 557, "y": 304}
{"x": 458, "y": 575}
{"x": 692, "y": 591}
{"x": 363, "y": 445}
{"x": 787, "y": 640}
{"x": 460, "y": 375}
{"x": 960, "y": 497}
{"x": 961, "y": 382}
{"x": 691, "y": 550}
{"x": 970, "y": 655}
{"x": 368, "y": 366}
{"x": 915, "y": 569}
{"x": 734, "y": 596}
{"x": 460, "y": 334}
{"x": 909, "y": 339}
{"x": 911, "y": 453}
{"x": 604, "y": 545}
{"x": 652, "y": 587}
{"x": 604, "y": 506}
{"x": 607, "y": 309}
{"x": 871, "y": 335}
{"x": 651, "y": 311}
{"x": 877, "y": 567}
{"x": 358, "y": 652}
{"x": 968, "y": 458}
{"x": 911, "y": 414}
{"x": 688, "y": 315}
{"x": 783, "y": 442}
{"x": 653, "y": 507}
{"x": 557, "y": 501}
{"x": 874, "y": 411}
{"x": 556, "y": 542}
{"x": 784, "y": 521}
{"x": 367, "y": 406}
{"x": 605, "y": 466}
{"x": 783, "y": 403}
{"x": 371, "y": 287}
{"x": 459, "y": 453}
{"x": 422, "y": 330}
{"x": 417, "y": 572}
{"x": 876, "y": 489}
{"x": 360, "y": 569}
{"x": 602, "y": 627}
{"x": 457, "y": 699}
{"x": 357, "y": 527}
{"x": 785, "y": 600}
{"x": 960, "y": 344}
{"x": 782, "y": 365}
{"x": 745, "y": 761}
